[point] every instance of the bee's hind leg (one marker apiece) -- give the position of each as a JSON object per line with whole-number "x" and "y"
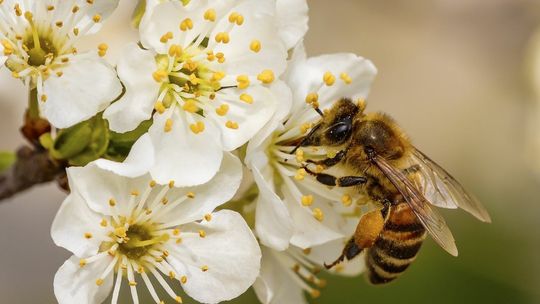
{"x": 350, "y": 251}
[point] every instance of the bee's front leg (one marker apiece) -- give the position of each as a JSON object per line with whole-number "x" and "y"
{"x": 329, "y": 162}
{"x": 344, "y": 181}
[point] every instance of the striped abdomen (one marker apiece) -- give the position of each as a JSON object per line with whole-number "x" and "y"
{"x": 396, "y": 246}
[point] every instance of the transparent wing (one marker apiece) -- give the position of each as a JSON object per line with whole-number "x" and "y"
{"x": 445, "y": 191}
{"x": 432, "y": 221}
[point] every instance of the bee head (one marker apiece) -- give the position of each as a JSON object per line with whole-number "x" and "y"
{"x": 336, "y": 127}
{"x": 378, "y": 134}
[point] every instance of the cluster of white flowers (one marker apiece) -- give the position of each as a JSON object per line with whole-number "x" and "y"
{"x": 219, "y": 80}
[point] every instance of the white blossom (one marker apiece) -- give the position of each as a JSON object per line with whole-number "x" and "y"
{"x": 38, "y": 46}
{"x": 292, "y": 207}
{"x": 132, "y": 228}
{"x": 208, "y": 75}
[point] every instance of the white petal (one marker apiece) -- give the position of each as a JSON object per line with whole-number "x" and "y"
{"x": 138, "y": 162}
{"x": 75, "y": 284}
{"x": 166, "y": 17}
{"x": 220, "y": 189}
{"x": 307, "y": 77}
{"x": 87, "y": 87}
{"x": 97, "y": 186}
{"x": 186, "y": 158}
{"x": 293, "y": 20}
{"x": 135, "y": 69}
{"x": 231, "y": 253}
{"x": 73, "y": 220}
{"x": 273, "y": 222}
{"x": 274, "y": 284}
{"x": 250, "y": 117}
{"x": 103, "y": 8}
{"x": 260, "y": 24}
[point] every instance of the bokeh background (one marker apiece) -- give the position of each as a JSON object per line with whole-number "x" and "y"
{"x": 457, "y": 74}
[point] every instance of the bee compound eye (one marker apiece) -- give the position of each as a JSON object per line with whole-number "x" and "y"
{"x": 340, "y": 131}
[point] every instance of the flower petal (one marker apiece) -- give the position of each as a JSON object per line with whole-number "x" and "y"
{"x": 186, "y": 158}
{"x": 220, "y": 189}
{"x": 138, "y": 162}
{"x": 293, "y": 20}
{"x": 73, "y": 220}
{"x": 88, "y": 85}
{"x": 229, "y": 250}
{"x": 75, "y": 284}
{"x": 260, "y": 25}
{"x": 166, "y": 17}
{"x": 97, "y": 186}
{"x": 307, "y": 77}
{"x": 273, "y": 222}
{"x": 103, "y": 8}
{"x": 250, "y": 117}
{"x": 135, "y": 69}
{"x": 274, "y": 284}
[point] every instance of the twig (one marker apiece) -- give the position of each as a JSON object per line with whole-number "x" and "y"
{"x": 33, "y": 167}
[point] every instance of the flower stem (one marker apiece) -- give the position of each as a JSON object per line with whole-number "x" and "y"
{"x": 33, "y": 107}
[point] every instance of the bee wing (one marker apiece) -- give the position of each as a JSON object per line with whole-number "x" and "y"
{"x": 430, "y": 219}
{"x": 445, "y": 191}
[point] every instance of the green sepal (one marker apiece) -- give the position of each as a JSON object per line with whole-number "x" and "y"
{"x": 138, "y": 13}
{"x": 98, "y": 141}
{"x": 72, "y": 141}
{"x": 120, "y": 143}
{"x": 6, "y": 160}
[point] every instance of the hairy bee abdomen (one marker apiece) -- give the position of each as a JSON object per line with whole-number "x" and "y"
{"x": 396, "y": 247}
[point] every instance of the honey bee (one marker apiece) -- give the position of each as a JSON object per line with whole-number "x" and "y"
{"x": 389, "y": 170}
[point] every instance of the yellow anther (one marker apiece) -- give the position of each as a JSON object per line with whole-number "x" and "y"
{"x": 329, "y": 78}
{"x": 318, "y": 214}
{"x": 255, "y": 46}
{"x": 183, "y": 279}
{"x": 346, "y": 78}
{"x": 59, "y": 24}
{"x": 243, "y": 81}
{"x": 266, "y": 76}
{"x": 164, "y": 201}
{"x": 135, "y": 192}
{"x": 175, "y": 50}
{"x": 221, "y": 57}
{"x": 246, "y": 98}
{"x": 204, "y": 268}
{"x": 307, "y": 200}
{"x": 88, "y": 235}
{"x": 178, "y": 299}
{"x": 166, "y": 37}
{"x": 299, "y": 155}
{"x": 112, "y": 202}
{"x": 148, "y": 211}
{"x": 315, "y": 293}
{"x": 18, "y": 10}
{"x": 28, "y": 16}
{"x": 319, "y": 169}
{"x": 190, "y": 194}
{"x": 236, "y": 18}
{"x": 99, "y": 282}
{"x": 120, "y": 232}
{"x": 218, "y": 76}
{"x": 307, "y": 251}
{"x": 223, "y": 37}
{"x": 96, "y": 18}
{"x": 82, "y": 262}
{"x": 305, "y": 127}
{"x": 176, "y": 232}
{"x": 208, "y": 217}
{"x": 141, "y": 270}
{"x": 171, "y": 184}
{"x": 231, "y": 124}
{"x": 312, "y": 98}
{"x": 103, "y": 223}
{"x": 210, "y": 56}
{"x": 346, "y": 200}
{"x": 190, "y": 105}
{"x": 102, "y": 49}
{"x": 160, "y": 75}
{"x": 50, "y": 8}
{"x": 300, "y": 174}
{"x": 166, "y": 253}
{"x": 152, "y": 183}
{"x": 222, "y": 110}
{"x": 202, "y": 233}
{"x": 132, "y": 283}
{"x": 43, "y": 98}
{"x": 179, "y": 240}
{"x": 210, "y": 15}
{"x": 186, "y": 24}
{"x": 197, "y": 127}
{"x": 75, "y": 9}
{"x": 194, "y": 79}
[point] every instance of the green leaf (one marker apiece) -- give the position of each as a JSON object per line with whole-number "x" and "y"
{"x": 6, "y": 160}
{"x": 120, "y": 143}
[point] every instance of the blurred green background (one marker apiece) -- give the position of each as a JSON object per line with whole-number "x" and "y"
{"x": 456, "y": 75}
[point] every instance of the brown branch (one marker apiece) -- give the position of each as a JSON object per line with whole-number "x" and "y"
{"x": 33, "y": 167}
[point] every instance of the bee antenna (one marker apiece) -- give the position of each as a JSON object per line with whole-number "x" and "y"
{"x": 305, "y": 139}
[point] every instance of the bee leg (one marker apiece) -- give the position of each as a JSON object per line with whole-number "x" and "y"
{"x": 329, "y": 162}
{"x": 344, "y": 181}
{"x": 350, "y": 251}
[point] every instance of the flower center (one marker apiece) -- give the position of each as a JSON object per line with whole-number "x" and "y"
{"x": 40, "y": 51}
{"x": 139, "y": 240}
